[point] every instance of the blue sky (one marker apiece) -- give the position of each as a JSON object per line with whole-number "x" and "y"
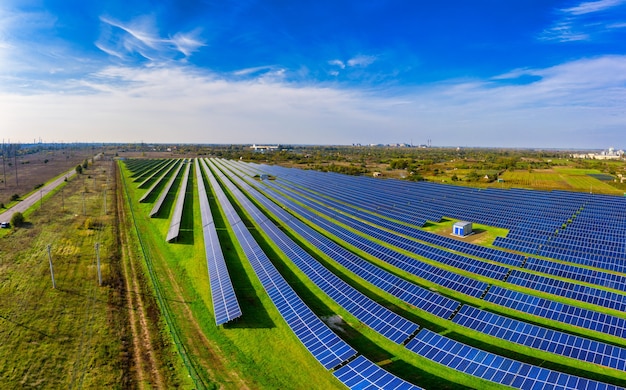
{"x": 461, "y": 73}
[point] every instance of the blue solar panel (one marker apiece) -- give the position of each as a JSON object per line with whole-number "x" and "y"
{"x": 558, "y": 311}
{"x": 542, "y": 338}
{"x": 225, "y": 304}
{"x": 361, "y": 373}
{"x": 323, "y": 344}
{"x": 491, "y": 367}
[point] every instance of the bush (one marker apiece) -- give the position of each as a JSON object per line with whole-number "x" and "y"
{"x": 17, "y": 219}
{"x": 15, "y": 197}
{"x": 38, "y": 186}
{"x": 79, "y": 169}
{"x": 2, "y": 205}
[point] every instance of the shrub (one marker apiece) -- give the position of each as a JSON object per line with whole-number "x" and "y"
{"x": 17, "y": 219}
{"x": 15, "y": 197}
{"x": 39, "y": 186}
{"x": 79, "y": 169}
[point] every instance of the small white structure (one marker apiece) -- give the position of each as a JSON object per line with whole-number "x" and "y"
{"x": 462, "y": 228}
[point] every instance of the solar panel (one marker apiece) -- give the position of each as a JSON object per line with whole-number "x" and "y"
{"x": 495, "y": 368}
{"x": 361, "y": 373}
{"x": 225, "y": 304}
{"x": 545, "y": 339}
{"x": 158, "y": 181}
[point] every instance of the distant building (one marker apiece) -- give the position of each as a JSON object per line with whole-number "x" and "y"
{"x": 264, "y": 148}
{"x": 462, "y": 228}
{"x": 610, "y": 154}
{"x": 377, "y": 174}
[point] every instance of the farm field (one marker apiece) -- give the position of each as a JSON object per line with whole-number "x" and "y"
{"x": 559, "y": 178}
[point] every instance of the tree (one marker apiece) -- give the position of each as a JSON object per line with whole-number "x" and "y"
{"x": 17, "y": 219}
{"x": 79, "y": 169}
{"x": 85, "y": 163}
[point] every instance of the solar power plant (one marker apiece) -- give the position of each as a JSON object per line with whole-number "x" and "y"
{"x": 174, "y": 229}
{"x": 495, "y": 368}
{"x": 324, "y": 345}
{"x": 377, "y": 317}
{"x": 313, "y": 196}
{"x": 361, "y": 373}
{"x": 158, "y": 180}
{"x": 372, "y": 229}
{"x": 412, "y": 294}
{"x": 225, "y": 303}
{"x": 159, "y": 203}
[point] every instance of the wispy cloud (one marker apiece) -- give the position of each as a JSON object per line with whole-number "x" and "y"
{"x": 338, "y": 63}
{"x": 592, "y": 6}
{"x": 141, "y": 37}
{"x": 575, "y": 104}
{"x": 585, "y": 21}
{"x": 361, "y": 60}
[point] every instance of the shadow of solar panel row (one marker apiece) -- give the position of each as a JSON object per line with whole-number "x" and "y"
{"x": 583, "y": 258}
{"x": 600, "y": 278}
{"x": 159, "y": 203}
{"x": 323, "y": 344}
{"x": 153, "y": 172}
{"x": 542, "y": 338}
{"x": 569, "y": 290}
{"x": 465, "y": 263}
{"x": 156, "y": 183}
{"x": 361, "y": 373}
{"x": 369, "y": 312}
{"x": 494, "y": 368}
{"x": 446, "y": 242}
{"x": 225, "y": 304}
{"x": 557, "y": 311}
{"x": 408, "y": 292}
{"x": 139, "y": 167}
{"x": 174, "y": 230}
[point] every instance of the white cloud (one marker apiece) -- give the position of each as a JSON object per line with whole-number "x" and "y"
{"x": 338, "y": 63}
{"x": 592, "y": 6}
{"x": 361, "y": 60}
{"x": 576, "y": 23}
{"x": 576, "y": 104}
{"x": 141, "y": 36}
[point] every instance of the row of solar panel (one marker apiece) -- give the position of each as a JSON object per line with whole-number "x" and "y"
{"x": 174, "y": 230}
{"x": 225, "y": 304}
{"x": 329, "y": 349}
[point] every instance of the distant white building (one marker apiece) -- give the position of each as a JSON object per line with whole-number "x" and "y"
{"x": 609, "y": 154}
{"x": 264, "y": 148}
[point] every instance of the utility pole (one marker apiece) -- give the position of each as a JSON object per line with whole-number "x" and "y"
{"x": 98, "y": 261}
{"x": 105, "y": 201}
{"x": 84, "y": 210}
{"x": 40, "y": 198}
{"x": 54, "y": 285}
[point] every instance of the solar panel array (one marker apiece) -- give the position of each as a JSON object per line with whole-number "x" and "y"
{"x": 159, "y": 203}
{"x": 557, "y": 311}
{"x": 545, "y": 339}
{"x": 156, "y": 183}
{"x": 494, "y": 368}
{"x": 323, "y": 344}
{"x": 174, "y": 230}
{"x": 360, "y": 211}
{"x": 371, "y": 313}
{"x": 225, "y": 304}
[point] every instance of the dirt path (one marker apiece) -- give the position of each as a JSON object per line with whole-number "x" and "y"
{"x": 144, "y": 356}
